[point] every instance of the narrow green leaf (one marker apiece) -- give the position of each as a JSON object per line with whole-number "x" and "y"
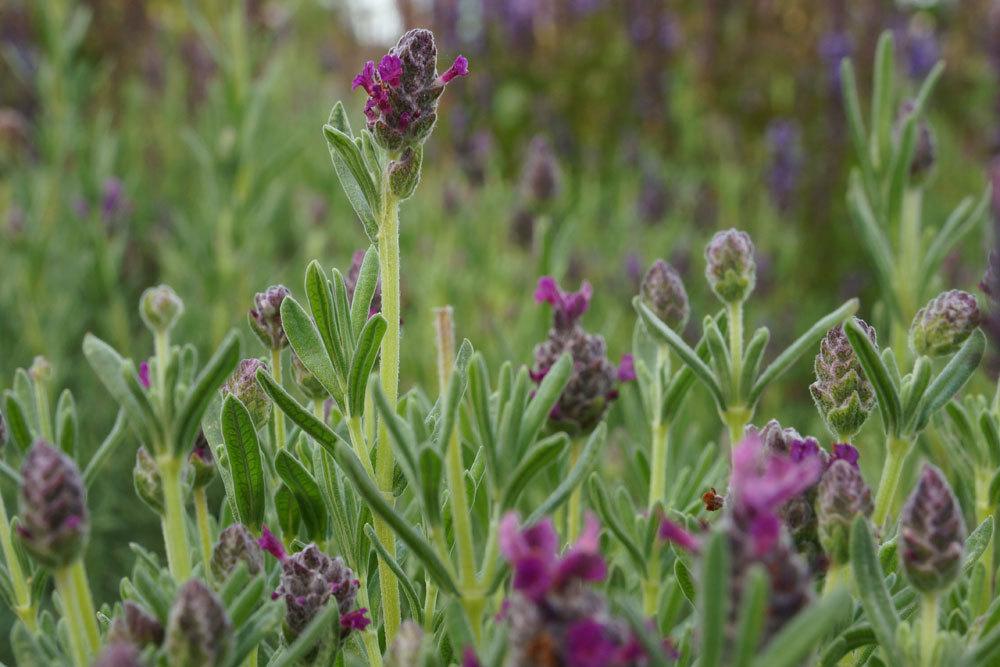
{"x": 338, "y": 119}
{"x": 287, "y": 509}
{"x": 363, "y": 362}
{"x": 878, "y": 606}
{"x": 856, "y": 123}
{"x": 913, "y": 392}
{"x": 479, "y": 397}
{"x": 246, "y": 601}
{"x": 535, "y": 461}
{"x": 976, "y": 544}
{"x": 803, "y": 343}
{"x": 245, "y": 466}
{"x": 753, "y": 355}
{"x": 335, "y": 364}
{"x": 877, "y": 374}
{"x": 952, "y": 377}
{"x": 364, "y": 290}
{"x": 357, "y": 183}
{"x": 687, "y": 355}
{"x": 17, "y": 422}
{"x": 576, "y": 474}
{"x": 301, "y": 417}
{"x": 899, "y": 170}
{"x": 306, "y": 491}
{"x": 718, "y": 353}
{"x": 713, "y": 597}
{"x": 682, "y": 573}
{"x": 546, "y": 396}
{"x": 599, "y": 501}
{"x": 205, "y": 385}
{"x": 651, "y": 643}
{"x": 107, "y": 364}
{"x": 991, "y": 437}
{"x": 873, "y": 239}
{"x": 801, "y": 636}
{"x": 882, "y": 100}
{"x": 961, "y": 220}
{"x": 753, "y": 611}
{"x": 341, "y": 310}
{"x": 67, "y": 424}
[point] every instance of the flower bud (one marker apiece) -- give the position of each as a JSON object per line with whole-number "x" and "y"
{"x": 198, "y": 630}
{"x": 925, "y": 150}
{"x": 119, "y": 654}
{"x": 136, "y": 626}
{"x": 159, "y": 308}
{"x": 53, "y": 509}
{"x": 309, "y": 579}
{"x": 146, "y": 480}
{"x": 265, "y": 317}
{"x": 663, "y": 291}
{"x": 202, "y": 462}
{"x": 41, "y": 370}
{"x": 843, "y": 395}
{"x": 931, "y": 533}
{"x": 236, "y": 545}
{"x": 404, "y": 173}
{"x": 307, "y": 382}
{"x": 843, "y": 496}
{"x": 243, "y": 385}
{"x": 941, "y": 326}
{"x": 731, "y": 269}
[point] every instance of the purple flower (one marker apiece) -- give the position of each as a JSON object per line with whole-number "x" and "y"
{"x": 114, "y": 203}
{"x": 764, "y": 482}
{"x": 355, "y": 620}
{"x": 676, "y": 534}
{"x": 459, "y": 68}
{"x": 271, "y": 544}
{"x": 469, "y": 658}
{"x": 626, "y": 368}
{"x": 568, "y": 306}
{"x": 783, "y": 138}
{"x": 309, "y": 581}
{"x": 588, "y": 644}
{"x": 843, "y": 451}
{"x": 144, "y": 374}
{"x": 833, "y": 48}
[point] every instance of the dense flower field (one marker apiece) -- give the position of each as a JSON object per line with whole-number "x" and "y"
{"x": 633, "y": 503}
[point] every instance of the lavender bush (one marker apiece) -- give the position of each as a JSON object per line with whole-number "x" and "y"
{"x": 489, "y": 520}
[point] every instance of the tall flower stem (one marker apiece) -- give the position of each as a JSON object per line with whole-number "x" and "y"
{"x": 279, "y": 416}
{"x": 22, "y": 594}
{"x": 85, "y": 603}
{"x": 838, "y": 574}
{"x": 388, "y": 247}
{"x": 896, "y": 449}
{"x": 71, "y": 612}
{"x": 651, "y": 587}
{"x": 174, "y": 520}
{"x": 42, "y": 408}
{"x": 660, "y": 433}
{"x": 736, "y": 345}
{"x": 575, "y": 507}
{"x": 204, "y": 527}
{"x": 928, "y": 628}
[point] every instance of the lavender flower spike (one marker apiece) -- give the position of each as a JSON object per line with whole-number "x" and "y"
{"x": 53, "y": 510}
{"x": 941, "y": 326}
{"x": 843, "y": 395}
{"x": 932, "y": 533}
{"x": 843, "y": 496}
{"x": 663, "y": 291}
{"x": 236, "y": 545}
{"x": 199, "y": 632}
{"x": 265, "y": 317}
{"x": 731, "y": 268}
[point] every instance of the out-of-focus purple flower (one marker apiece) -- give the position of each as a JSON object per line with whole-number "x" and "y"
{"x": 784, "y": 147}
{"x": 80, "y": 207}
{"x": 243, "y": 385}
{"x": 633, "y": 270}
{"x": 144, "y": 374}
{"x": 469, "y": 658}
{"x": 843, "y": 451}
{"x": 921, "y": 50}
{"x": 653, "y": 202}
{"x": 675, "y": 533}
{"x": 626, "y": 368}
{"x": 765, "y": 482}
{"x": 568, "y": 307}
{"x": 932, "y": 533}
{"x": 541, "y": 176}
{"x": 834, "y": 46}
{"x": 114, "y": 202}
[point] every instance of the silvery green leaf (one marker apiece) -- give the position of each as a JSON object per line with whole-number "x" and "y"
{"x": 879, "y": 608}
{"x": 753, "y": 612}
{"x": 404, "y": 580}
{"x": 306, "y": 491}
{"x": 877, "y": 373}
{"x": 245, "y": 468}
{"x": 713, "y": 601}
{"x": 806, "y": 630}
{"x": 364, "y": 290}
{"x": 575, "y": 475}
{"x": 599, "y": 501}
{"x": 355, "y": 178}
{"x": 952, "y": 377}
{"x": 333, "y": 369}
{"x": 67, "y": 424}
{"x": 546, "y": 396}
{"x": 363, "y": 361}
{"x": 215, "y": 372}
{"x": 537, "y": 458}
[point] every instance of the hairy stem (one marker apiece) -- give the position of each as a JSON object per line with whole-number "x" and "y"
{"x": 85, "y": 603}
{"x": 388, "y": 246}
{"x": 895, "y": 452}
{"x": 928, "y": 628}
{"x": 174, "y": 520}
{"x": 736, "y": 347}
{"x": 204, "y": 527}
{"x": 279, "y": 416}
{"x": 659, "y": 433}
{"x": 22, "y": 594}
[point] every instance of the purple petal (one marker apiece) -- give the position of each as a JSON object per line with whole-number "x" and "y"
{"x": 390, "y": 70}
{"x": 144, "y": 374}
{"x": 271, "y": 544}
{"x": 548, "y": 291}
{"x": 532, "y": 576}
{"x": 366, "y": 79}
{"x": 469, "y": 658}
{"x": 459, "y": 68}
{"x": 673, "y": 532}
{"x": 843, "y": 451}
{"x": 355, "y": 620}
{"x": 589, "y": 644}
{"x": 626, "y": 369}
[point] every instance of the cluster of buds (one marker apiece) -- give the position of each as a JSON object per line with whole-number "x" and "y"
{"x": 843, "y": 395}
{"x": 730, "y": 267}
{"x": 265, "y": 317}
{"x": 53, "y": 511}
{"x": 160, "y": 307}
{"x": 662, "y": 290}
{"x": 843, "y": 496}
{"x": 931, "y": 533}
{"x": 594, "y": 381}
{"x": 940, "y": 327}
{"x": 243, "y": 385}
{"x": 199, "y": 632}
{"x": 202, "y": 462}
{"x": 236, "y": 545}
{"x": 554, "y": 616}
{"x": 403, "y": 91}
{"x": 310, "y": 580}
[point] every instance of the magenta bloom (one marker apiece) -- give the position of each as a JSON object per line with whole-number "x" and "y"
{"x": 144, "y": 374}
{"x": 568, "y": 306}
{"x": 533, "y": 554}
{"x": 845, "y": 452}
{"x": 271, "y": 544}
{"x": 626, "y": 368}
{"x": 765, "y": 482}
{"x": 355, "y": 620}
{"x": 588, "y": 644}
{"x": 675, "y": 533}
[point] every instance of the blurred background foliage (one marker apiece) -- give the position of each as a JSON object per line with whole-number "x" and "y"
{"x": 179, "y": 142}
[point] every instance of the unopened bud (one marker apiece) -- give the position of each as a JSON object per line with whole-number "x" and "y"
{"x": 731, "y": 269}
{"x": 843, "y": 496}
{"x": 265, "y": 317}
{"x": 146, "y": 480}
{"x": 404, "y": 173}
{"x": 236, "y": 545}
{"x": 931, "y": 533}
{"x": 941, "y": 326}
{"x": 243, "y": 385}
{"x": 53, "y": 509}
{"x": 844, "y": 397}
{"x": 159, "y": 308}
{"x": 663, "y": 291}
{"x": 199, "y": 632}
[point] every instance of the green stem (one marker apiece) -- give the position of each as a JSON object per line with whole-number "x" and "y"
{"x": 42, "y": 407}
{"x": 659, "y": 434}
{"x": 928, "y": 628}
{"x": 651, "y": 587}
{"x": 575, "y": 506}
{"x": 204, "y": 528}
{"x": 279, "y": 416}
{"x": 85, "y": 603}
{"x": 896, "y": 449}
{"x": 736, "y": 347}
{"x": 388, "y": 246}
{"x": 174, "y": 519}
{"x": 430, "y": 603}
{"x": 369, "y": 637}
{"x": 251, "y": 659}
{"x": 22, "y": 593}
{"x": 736, "y": 418}
{"x": 78, "y": 642}
{"x": 358, "y": 440}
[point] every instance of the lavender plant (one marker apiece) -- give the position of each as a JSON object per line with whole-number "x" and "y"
{"x": 486, "y": 521}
